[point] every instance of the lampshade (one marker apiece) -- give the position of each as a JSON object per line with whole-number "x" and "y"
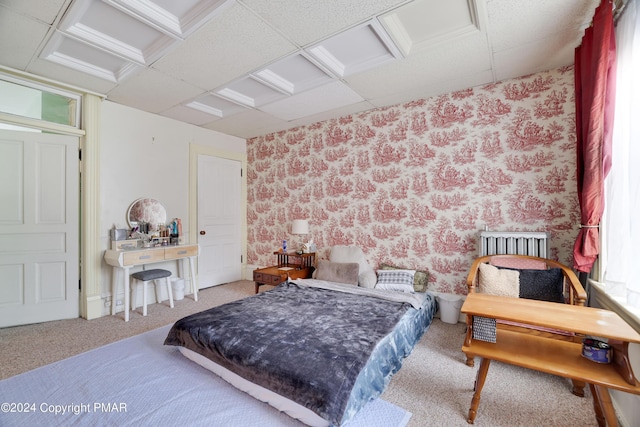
{"x": 300, "y": 226}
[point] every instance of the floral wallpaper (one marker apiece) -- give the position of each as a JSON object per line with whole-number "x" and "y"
{"x": 413, "y": 184}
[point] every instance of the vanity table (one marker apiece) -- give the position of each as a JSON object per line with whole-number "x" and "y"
{"x": 146, "y": 216}
{"x": 123, "y": 260}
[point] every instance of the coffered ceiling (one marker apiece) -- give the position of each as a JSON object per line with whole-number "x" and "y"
{"x": 251, "y": 67}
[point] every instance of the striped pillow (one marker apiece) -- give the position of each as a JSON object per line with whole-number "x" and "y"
{"x": 396, "y": 280}
{"x": 420, "y": 280}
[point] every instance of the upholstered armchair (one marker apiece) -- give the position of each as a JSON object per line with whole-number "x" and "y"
{"x": 531, "y": 277}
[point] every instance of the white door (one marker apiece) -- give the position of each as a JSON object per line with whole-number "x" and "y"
{"x": 39, "y": 245}
{"x": 219, "y": 220}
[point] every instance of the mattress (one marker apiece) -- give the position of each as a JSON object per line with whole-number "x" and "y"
{"x": 317, "y": 350}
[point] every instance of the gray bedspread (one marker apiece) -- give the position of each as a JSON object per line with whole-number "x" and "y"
{"x": 306, "y": 343}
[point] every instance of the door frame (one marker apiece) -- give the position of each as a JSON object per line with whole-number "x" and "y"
{"x": 194, "y": 151}
{"x": 90, "y": 248}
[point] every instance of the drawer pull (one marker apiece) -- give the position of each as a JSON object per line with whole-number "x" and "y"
{"x": 145, "y": 257}
{"x": 182, "y": 252}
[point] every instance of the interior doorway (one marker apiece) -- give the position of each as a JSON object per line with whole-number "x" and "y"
{"x": 39, "y": 227}
{"x": 219, "y": 220}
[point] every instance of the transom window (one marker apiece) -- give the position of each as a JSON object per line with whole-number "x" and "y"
{"x": 40, "y": 105}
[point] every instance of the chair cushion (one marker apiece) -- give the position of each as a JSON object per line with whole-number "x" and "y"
{"x": 156, "y": 273}
{"x": 494, "y": 281}
{"x": 530, "y": 283}
{"x": 518, "y": 263}
{"x": 542, "y": 285}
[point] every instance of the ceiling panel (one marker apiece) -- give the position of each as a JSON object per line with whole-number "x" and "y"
{"x": 355, "y": 50}
{"x": 179, "y": 18}
{"x": 44, "y": 11}
{"x": 318, "y": 100}
{"x": 20, "y": 37}
{"x": 249, "y": 92}
{"x": 511, "y": 24}
{"x": 70, "y": 76}
{"x": 215, "y": 106}
{"x": 305, "y": 22}
{"x": 249, "y": 123}
{"x": 234, "y": 43}
{"x": 548, "y": 53}
{"x": 163, "y": 55}
{"x": 151, "y": 90}
{"x": 293, "y": 74}
{"x": 419, "y": 25}
{"x": 93, "y": 21}
{"x": 189, "y": 115}
{"x": 88, "y": 59}
{"x": 445, "y": 61}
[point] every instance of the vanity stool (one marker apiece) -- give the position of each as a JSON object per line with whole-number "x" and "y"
{"x": 145, "y": 276}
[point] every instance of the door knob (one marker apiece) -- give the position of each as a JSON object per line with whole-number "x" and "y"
{"x": 202, "y": 232}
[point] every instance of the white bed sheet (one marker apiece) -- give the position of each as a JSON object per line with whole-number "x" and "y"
{"x": 279, "y": 402}
{"x": 136, "y": 382}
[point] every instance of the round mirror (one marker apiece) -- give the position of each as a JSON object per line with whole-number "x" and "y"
{"x": 148, "y": 211}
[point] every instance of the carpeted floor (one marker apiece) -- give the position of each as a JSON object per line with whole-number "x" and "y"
{"x": 434, "y": 383}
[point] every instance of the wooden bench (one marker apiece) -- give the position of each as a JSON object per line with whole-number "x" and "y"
{"x": 562, "y": 358}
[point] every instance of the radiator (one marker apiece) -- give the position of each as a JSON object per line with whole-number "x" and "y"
{"x": 533, "y": 243}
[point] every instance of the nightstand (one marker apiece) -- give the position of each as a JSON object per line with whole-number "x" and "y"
{"x": 290, "y": 265}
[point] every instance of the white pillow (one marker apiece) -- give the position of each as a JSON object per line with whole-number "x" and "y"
{"x": 495, "y": 281}
{"x": 367, "y": 278}
{"x": 396, "y": 280}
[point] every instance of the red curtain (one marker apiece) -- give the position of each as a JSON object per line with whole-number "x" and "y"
{"x": 595, "y": 66}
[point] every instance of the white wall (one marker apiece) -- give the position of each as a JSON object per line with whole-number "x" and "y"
{"x": 146, "y": 155}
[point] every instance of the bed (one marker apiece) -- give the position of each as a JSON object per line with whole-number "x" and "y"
{"x": 317, "y": 350}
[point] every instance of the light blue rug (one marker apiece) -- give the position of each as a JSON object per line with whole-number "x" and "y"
{"x": 140, "y": 382}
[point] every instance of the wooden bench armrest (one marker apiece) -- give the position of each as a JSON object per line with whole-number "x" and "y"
{"x": 472, "y": 277}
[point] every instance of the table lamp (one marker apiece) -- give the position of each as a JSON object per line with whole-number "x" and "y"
{"x": 300, "y": 227}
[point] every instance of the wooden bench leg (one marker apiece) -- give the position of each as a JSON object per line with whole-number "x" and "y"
{"x": 480, "y": 378}
{"x": 605, "y": 414}
{"x": 470, "y": 361}
{"x": 578, "y": 388}
{"x": 597, "y": 408}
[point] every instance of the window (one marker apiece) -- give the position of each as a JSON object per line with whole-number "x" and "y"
{"x": 621, "y": 221}
{"x": 34, "y": 105}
